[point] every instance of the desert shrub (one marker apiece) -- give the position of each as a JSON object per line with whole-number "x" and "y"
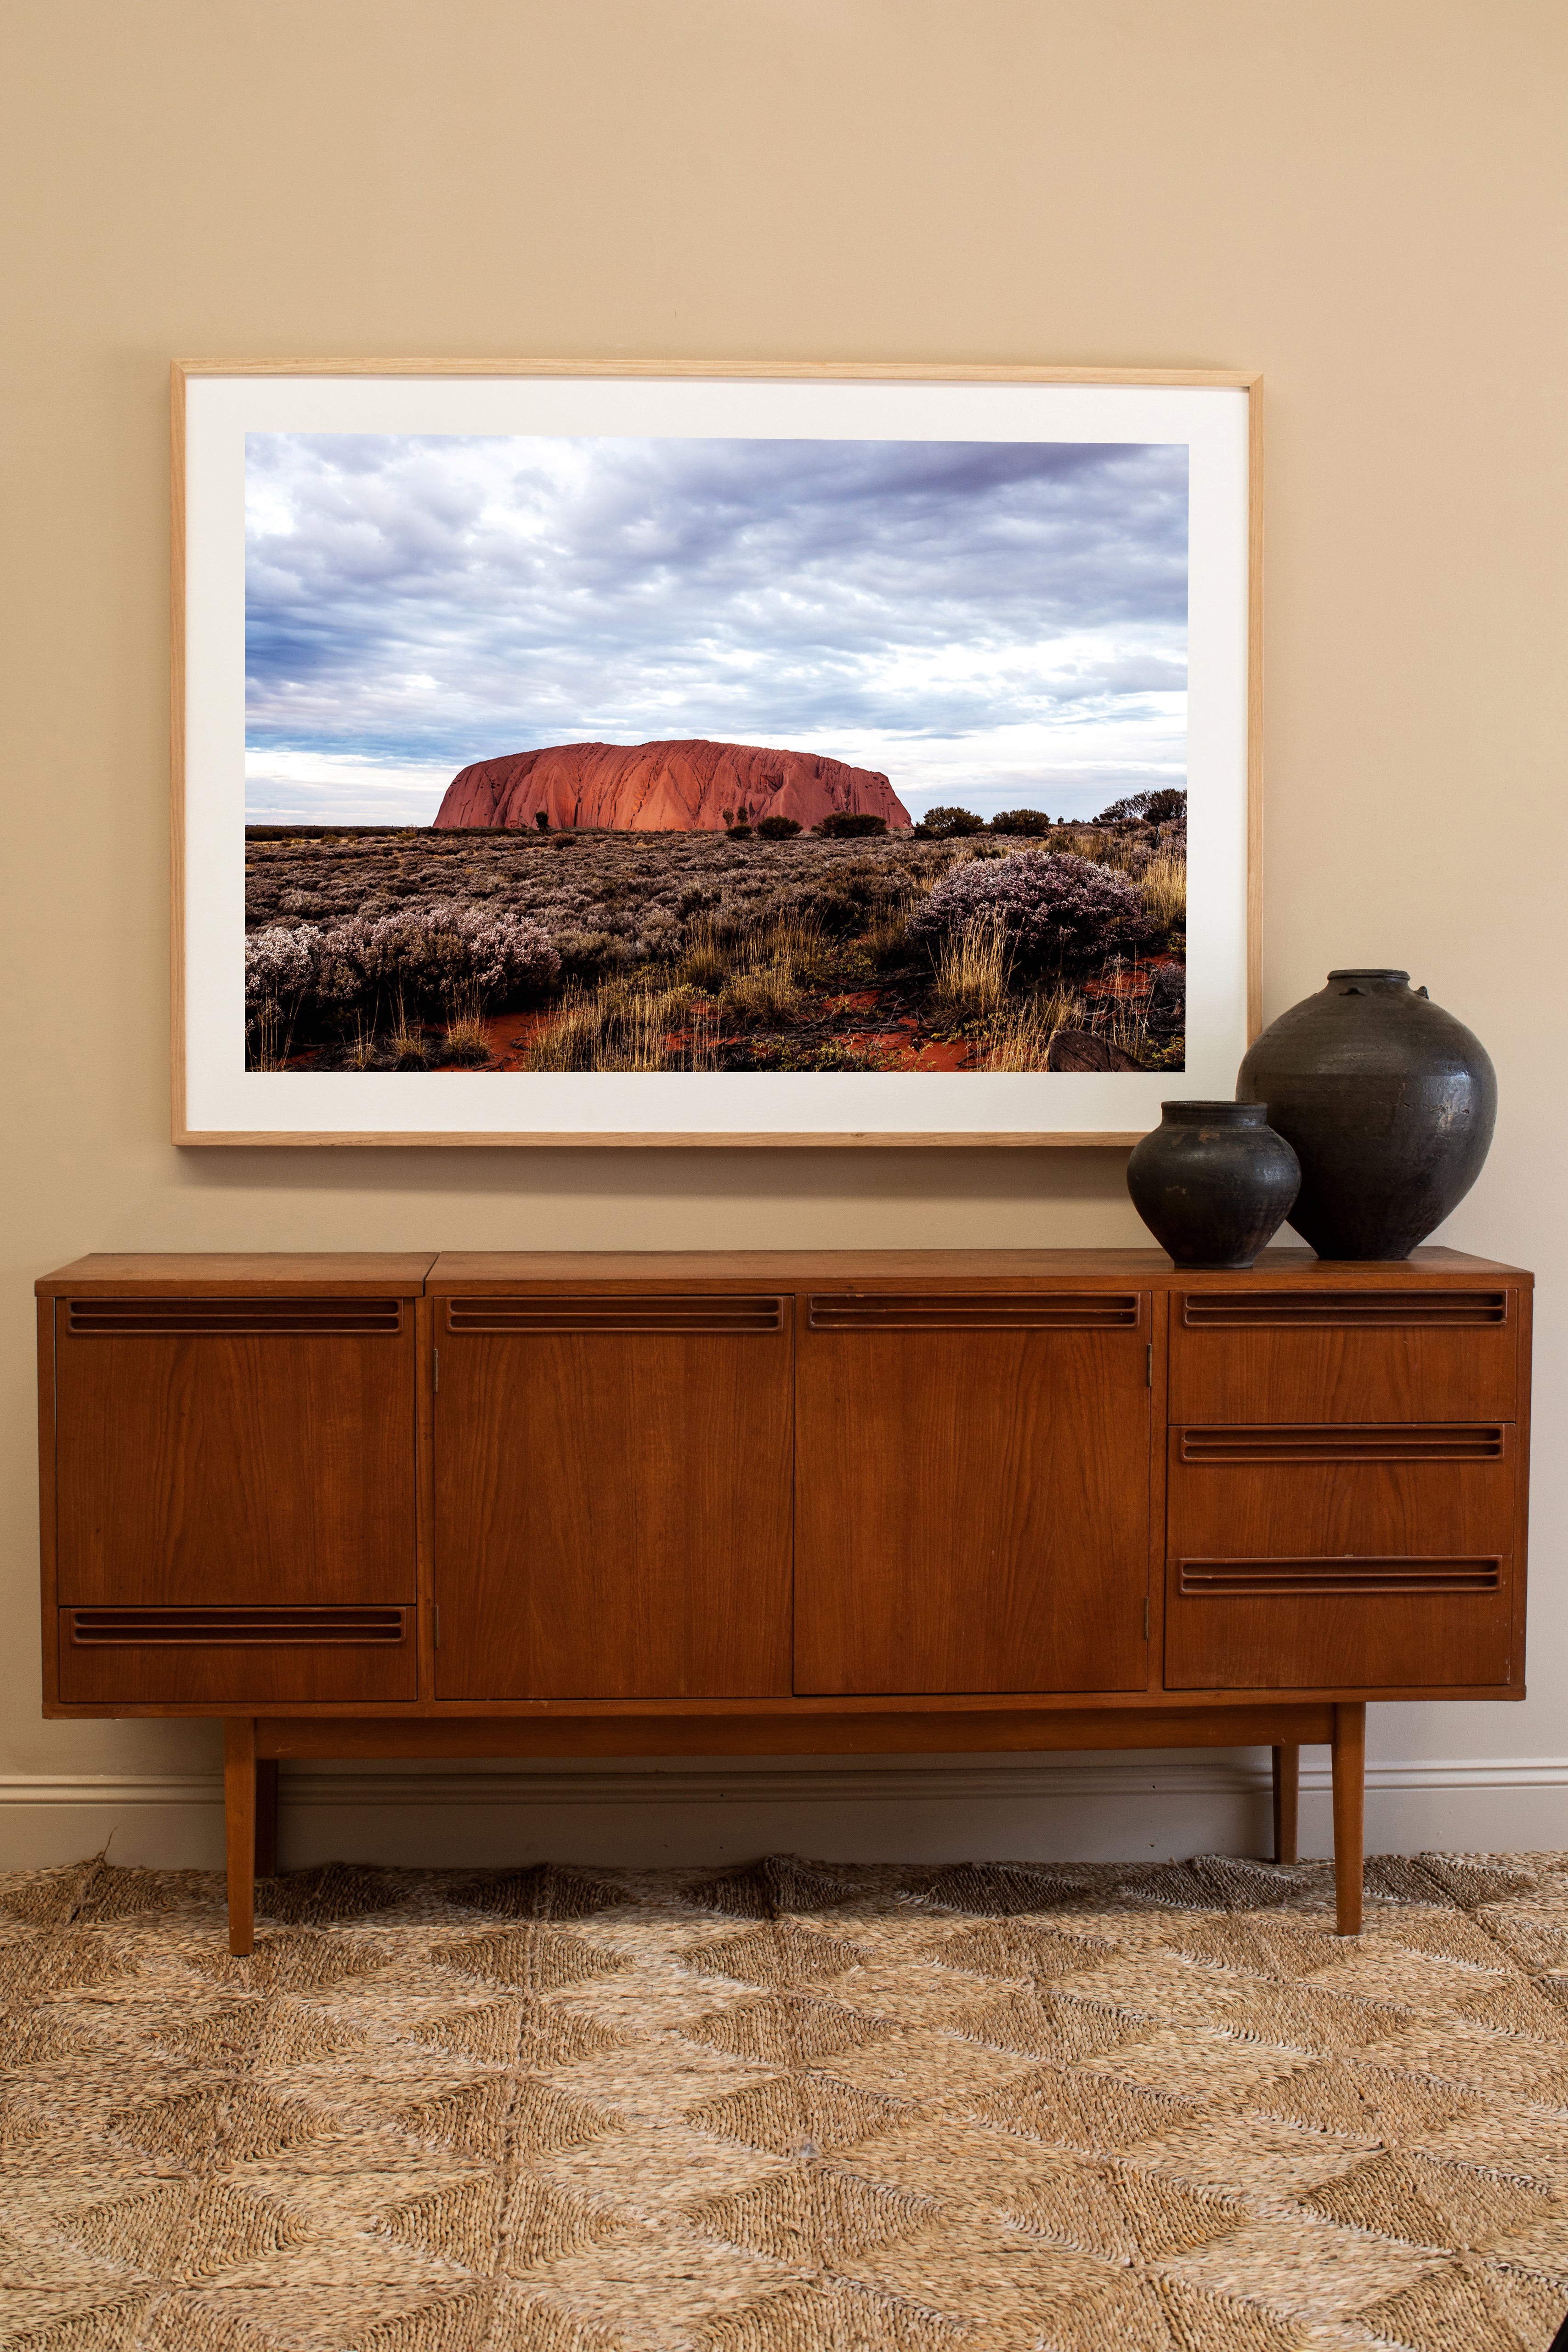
{"x": 1032, "y": 822}
{"x": 949, "y": 824}
{"x": 584, "y": 954}
{"x": 449, "y": 948}
{"x": 1057, "y": 912}
{"x": 848, "y": 825}
{"x": 777, "y": 828}
{"x": 740, "y": 833}
{"x": 1153, "y": 808}
{"x": 280, "y": 964}
{"x": 835, "y": 1056}
{"x": 425, "y": 955}
{"x": 825, "y": 906}
{"x": 541, "y": 821}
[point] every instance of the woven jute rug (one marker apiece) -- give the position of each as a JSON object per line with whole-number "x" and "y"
{"x": 794, "y": 2107}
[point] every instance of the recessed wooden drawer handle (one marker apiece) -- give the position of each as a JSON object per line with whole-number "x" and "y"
{"x": 1231, "y": 1578}
{"x": 1344, "y": 1442}
{"x": 231, "y": 1628}
{"x": 701, "y": 1312}
{"x": 977, "y": 1311}
{"x": 1283, "y": 1310}
{"x": 157, "y": 1317}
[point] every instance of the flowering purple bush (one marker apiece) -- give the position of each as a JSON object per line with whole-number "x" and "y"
{"x": 425, "y": 956}
{"x": 448, "y": 945}
{"x": 1057, "y": 911}
{"x": 280, "y": 965}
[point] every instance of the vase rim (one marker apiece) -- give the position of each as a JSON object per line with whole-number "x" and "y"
{"x": 1368, "y": 971}
{"x": 1248, "y": 1114}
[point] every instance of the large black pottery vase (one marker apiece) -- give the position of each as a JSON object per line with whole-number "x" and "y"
{"x": 1213, "y": 1181}
{"x": 1389, "y": 1103}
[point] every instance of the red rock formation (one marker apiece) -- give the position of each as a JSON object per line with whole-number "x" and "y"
{"x": 663, "y": 787}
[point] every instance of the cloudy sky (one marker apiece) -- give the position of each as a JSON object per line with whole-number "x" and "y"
{"x": 999, "y": 624}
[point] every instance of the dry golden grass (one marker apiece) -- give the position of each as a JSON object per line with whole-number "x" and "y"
{"x": 1022, "y": 1041}
{"x": 767, "y": 977}
{"x": 359, "y": 1052}
{"x": 972, "y": 969}
{"x": 707, "y": 961}
{"x": 270, "y": 1046}
{"x": 1164, "y": 885}
{"x": 888, "y": 939}
{"x": 791, "y": 942}
{"x": 769, "y": 998}
{"x": 466, "y": 1039}
{"x": 621, "y": 1027}
{"x": 1124, "y": 1025}
{"x": 407, "y": 1039}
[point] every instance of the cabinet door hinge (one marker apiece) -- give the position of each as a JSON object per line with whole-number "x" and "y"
{"x": 1150, "y": 1370}
{"x": 435, "y": 1383}
{"x": 436, "y": 1624}
{"x": 1145, "y": 1620}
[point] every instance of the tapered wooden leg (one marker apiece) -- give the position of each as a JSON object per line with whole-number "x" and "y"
{"x": 1286, "y": 1801}
{"x": 1349, "y": 1813}
{"x": 239, "y": 1825}
{"x": 266, "y": 1816}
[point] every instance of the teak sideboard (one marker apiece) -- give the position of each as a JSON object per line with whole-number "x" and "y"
{"x": 846, "y": 1502}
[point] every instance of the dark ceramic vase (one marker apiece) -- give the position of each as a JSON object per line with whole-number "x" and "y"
{"x": 1389, "y": 1103}
{"x": 1213, "y": 1183}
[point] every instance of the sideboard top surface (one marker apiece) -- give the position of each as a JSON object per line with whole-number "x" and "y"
{"x": 456, "y": 1271}
{"x": 236, "y": 1273}
{"x": 410, "y": 1273}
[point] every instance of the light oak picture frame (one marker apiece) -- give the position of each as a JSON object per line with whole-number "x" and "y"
{"x": 216, "y": 402}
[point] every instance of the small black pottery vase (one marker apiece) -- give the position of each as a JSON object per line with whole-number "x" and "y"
{"x": 1389, "y": 1104}
{"x": 1213, "y": 1183}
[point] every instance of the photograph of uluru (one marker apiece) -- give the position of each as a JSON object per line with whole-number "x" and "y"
{"x": 668, "y": 754}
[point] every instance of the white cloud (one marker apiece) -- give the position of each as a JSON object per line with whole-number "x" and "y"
{"x": 1015, "y": 610}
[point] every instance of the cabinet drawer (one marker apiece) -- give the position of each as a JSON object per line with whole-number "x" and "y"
{"x": 229, "y": 1656}
{"x": 1346, "y": 1622}
{"x": 1394, "y": 1355}
{"x": 1257, "y": 1491}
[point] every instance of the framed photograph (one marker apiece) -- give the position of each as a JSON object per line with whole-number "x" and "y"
{"x": 570, "y": 753}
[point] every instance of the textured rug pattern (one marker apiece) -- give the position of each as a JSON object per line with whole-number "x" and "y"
{"x": 797, "y": 2107}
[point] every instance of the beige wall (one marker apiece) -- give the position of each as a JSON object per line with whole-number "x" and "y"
{"x": 1361, "y": 197}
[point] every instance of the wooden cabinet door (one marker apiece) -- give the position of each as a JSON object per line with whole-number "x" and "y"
{"x": 251, "y": 1450}
{"x": 972, "y": 1492}
{"x": 612, "y": 1497}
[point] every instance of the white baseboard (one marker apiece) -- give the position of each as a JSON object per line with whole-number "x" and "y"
{"x": 773, "y": 1783}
